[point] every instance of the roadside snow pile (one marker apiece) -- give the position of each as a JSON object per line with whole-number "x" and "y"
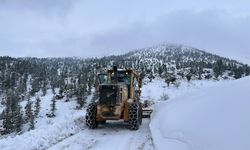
{"x": 216, "y": 118}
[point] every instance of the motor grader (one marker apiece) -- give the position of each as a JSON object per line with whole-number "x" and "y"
{"x": 119, "y": 95}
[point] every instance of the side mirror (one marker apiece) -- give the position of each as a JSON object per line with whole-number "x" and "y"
{"x": 138, "y": 91}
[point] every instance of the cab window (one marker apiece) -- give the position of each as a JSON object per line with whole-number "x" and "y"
{"x": 103, "y": 78}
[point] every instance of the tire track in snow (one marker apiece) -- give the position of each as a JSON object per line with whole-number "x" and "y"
{"x": 112, "y": 135}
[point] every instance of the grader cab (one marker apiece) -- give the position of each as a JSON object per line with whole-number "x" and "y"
{"x": 119, "y": 94}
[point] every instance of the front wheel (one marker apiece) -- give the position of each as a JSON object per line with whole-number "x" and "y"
{"x": 134, "y": 116}
{"x": 90, "y": 117}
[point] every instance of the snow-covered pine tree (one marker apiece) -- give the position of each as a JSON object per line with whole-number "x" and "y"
{"x": 21, "y": 88}
{"x": 151, "y": 77}
{"x": 53, "y": 107}
{"x": 247, "y": 70}
{"x": 53, "y": 90}
{"x": 200, "y": 69}
{"x": 37, "y": 106}
{"x": 160, "y": 71}
{"x": 16, "y": 113}
{"x": 7, "y": 118}
{"x": 67, "y": 93}
{"x": 81, "y": 95}
{"x": 12, "y": 115}
{"x": 19, "y": 119}
{"x": 89, "y": 87}
{"x": 32, "y": 121}
{"x": 44, "y": 88}
{"x": 35, "y": 86}
{"x": 189, "y": 76}
{"x": 29, "y": 114}
{"x": 28, "y": 109}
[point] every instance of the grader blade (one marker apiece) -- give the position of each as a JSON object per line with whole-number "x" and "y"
{"x": 146, "y": 112}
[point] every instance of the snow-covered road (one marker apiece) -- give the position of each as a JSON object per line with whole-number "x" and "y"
{"x": 113, "y": 135}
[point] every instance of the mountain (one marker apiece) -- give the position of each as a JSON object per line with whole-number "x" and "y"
{"x": 170, "y": 60}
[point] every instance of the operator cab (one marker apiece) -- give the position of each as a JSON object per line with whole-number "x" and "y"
{"x": 122, "y": 76}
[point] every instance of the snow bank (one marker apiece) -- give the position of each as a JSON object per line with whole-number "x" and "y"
{"x": 216, "y": 118}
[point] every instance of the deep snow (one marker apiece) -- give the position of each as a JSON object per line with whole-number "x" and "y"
{"x": 215, "y": 118}
{"x": 67, "y": 129}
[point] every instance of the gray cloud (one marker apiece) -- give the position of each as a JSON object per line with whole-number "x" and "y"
{"x": 96, "y": 28}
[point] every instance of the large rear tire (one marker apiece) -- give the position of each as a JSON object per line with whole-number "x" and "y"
{"x": 90, "y": 117}
{"x": 135, "y": 118}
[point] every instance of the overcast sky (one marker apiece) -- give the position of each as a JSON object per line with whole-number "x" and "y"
{"x": 85, "y": 28}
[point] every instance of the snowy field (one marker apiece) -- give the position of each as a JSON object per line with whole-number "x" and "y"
{"x": 67, "y": 130}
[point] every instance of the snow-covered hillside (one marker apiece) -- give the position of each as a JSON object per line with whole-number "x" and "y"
{"x": 48, "y": 131}
{"x": 215, "y": 118}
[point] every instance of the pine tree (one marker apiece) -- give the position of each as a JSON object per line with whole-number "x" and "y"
{"x": 35, "y": 86}
{"x": 167, "y": 81}
{"x": 81, "y": 96}
{"x": 12, "y": 116}
{"x": 21, "y": 88}
{"x": 30, "y": 116}
{"x": 67, "y": 96}
{"x": 19, "y": 120}
{"x": 200, "y": 72}
{"x": 53, "y": 107}
{"x": 238, "y": 73}
{"x": 53, "y": 90}
{"x": 89, "y": 87}
{"x": 7, "y": 120}
{"x": 151, "y": 77}
{"x": 79, "y": 102}
{"x": 32, "y": 121}
{"x": 160, "y": 71}
{"x": 28, "y": 110}
{"x": 44, "y": 88}
{"x": 189, "y": 76}
{"x": 37, "y": 106}
{"x": 218, "y": 68}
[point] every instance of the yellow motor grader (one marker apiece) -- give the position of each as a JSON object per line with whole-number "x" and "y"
{"x": 119, "y": 95}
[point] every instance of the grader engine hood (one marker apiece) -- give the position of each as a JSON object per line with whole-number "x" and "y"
{"x": 109, "y": 94}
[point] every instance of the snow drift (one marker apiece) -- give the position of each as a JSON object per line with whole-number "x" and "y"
{"x": 216, "y": 118}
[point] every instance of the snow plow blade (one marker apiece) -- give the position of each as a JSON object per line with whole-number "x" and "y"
{"x": 146, "y": 112}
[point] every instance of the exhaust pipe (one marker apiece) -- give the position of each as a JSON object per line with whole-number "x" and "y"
{"x": 115, "y": 74}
